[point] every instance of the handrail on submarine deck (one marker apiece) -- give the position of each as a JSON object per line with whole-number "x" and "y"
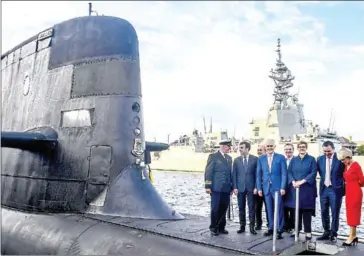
{"x": 296, "y": 229}
{"x": 276, "y": 217}
{"x": 275, "y": 220}
{"x": 230, "y": 213}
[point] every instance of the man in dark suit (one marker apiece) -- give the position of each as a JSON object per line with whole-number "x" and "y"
{"x": 244, "y": 177}
{"x": 259, "y": 200}
{"x": 218, "y": 183}
{"x": 332, "y": 190}
{"x": 289, "y": 213}
{"x": 271, "y": 178}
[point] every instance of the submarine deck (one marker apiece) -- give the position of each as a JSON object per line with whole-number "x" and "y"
{"x": 195, "y": 229}
{"x": 91, "y": 234}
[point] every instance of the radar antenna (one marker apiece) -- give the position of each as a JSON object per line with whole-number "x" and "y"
{"x": 295, "y": 96}
{"x": 90, "y": 11}
{"x": 282, "y": 78}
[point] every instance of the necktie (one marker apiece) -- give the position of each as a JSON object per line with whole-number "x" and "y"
{"x": 270, "y": 163}
{"x": 328, "y": 172}
{"x": 226, "y": 159}
{"x": 245, "y": 163}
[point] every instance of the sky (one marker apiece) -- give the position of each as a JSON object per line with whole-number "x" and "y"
{"x": 213, "y": 59}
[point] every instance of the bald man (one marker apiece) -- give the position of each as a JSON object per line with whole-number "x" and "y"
{"x": 259, "y": 200}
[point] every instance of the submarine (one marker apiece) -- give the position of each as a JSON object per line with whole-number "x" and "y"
{"x": 75, "y": 163}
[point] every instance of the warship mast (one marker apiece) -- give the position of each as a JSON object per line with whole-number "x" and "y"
{"x": 285, "y": 118}
{"x": 282, "y": 78}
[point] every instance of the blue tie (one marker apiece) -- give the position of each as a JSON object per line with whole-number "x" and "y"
{"x": 245, "y": 162}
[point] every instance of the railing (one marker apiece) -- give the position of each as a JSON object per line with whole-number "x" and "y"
{"x": 296, "y": 229}
{"x": 275, "y": 224}
{"x": 275, "y": 220}
{"x": 231, "y": 212}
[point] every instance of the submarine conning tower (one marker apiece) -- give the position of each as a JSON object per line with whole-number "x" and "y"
{"x": 72, "y": 118}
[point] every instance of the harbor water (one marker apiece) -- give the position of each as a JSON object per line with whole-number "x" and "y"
{"x": 185, "y": 192}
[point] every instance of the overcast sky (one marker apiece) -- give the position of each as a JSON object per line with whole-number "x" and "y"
{"x": 213, "y": 58}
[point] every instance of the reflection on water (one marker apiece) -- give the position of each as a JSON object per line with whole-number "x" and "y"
{"x": 185, "y": 193}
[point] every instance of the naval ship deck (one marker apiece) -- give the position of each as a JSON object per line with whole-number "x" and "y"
{"x": 195, "y": 230}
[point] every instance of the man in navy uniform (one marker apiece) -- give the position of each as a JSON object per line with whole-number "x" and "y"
{"x": 218, "y": 183}
{"x": 244, "y": 173}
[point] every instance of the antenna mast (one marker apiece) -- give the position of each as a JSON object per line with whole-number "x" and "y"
{"x": 282, "y": 78}
{"x": 330, "y": 120}
{"x": 90, "y": 11}
{"x": 333, "y": 121}
{"x": 204, "y": 125}
{"x": 211, "y": 124}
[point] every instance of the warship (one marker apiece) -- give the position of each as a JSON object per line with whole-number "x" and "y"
{"x": 74, "y": 176}
{"x": 285, "y": 123}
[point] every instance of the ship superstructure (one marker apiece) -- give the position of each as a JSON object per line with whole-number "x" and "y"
{"x": 285, "y": 118}
{"x": 285, "y": 122}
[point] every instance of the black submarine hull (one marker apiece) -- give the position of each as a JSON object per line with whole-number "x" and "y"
{"x": 25, "y": 233}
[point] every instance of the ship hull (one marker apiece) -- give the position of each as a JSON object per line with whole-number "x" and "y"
{"x": 87, "y": 234}
{"x": 187, "y": 160}
{"x": 72, "y": 234}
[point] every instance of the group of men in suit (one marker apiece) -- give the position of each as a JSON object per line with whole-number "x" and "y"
{"x": 222, "y": 175}
{"x": 256, "y": 179}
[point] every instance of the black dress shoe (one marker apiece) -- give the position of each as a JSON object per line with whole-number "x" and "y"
{"x": 333, "y": 238}
{"x": 279, "y": 235}
{"x": 323, "y": 237}
{"x": 224, "y": 232}
{"x": 252, "y": 230}
{"x": 241, "y": 230}
{"x": 268, "y": 233}
{"x": 214, "y": 232}
{"x": 258, "y": 227}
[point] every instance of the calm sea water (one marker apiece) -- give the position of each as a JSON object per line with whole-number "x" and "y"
{"x": 185, "y": 193}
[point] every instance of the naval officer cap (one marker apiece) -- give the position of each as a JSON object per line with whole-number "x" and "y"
{"x": 225, "y": 143}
